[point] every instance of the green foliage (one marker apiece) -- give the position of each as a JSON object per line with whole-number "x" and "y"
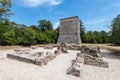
{"x": 90, "y": 37}
{"x": 6, "y": 32}
{"x": 96, "y": 37}
{"x": 5, "y": 6}
{"x": 26, "y": 37}
{"x": 115, "y": 30}
{"x": 17, "y": 34}
{"x": 9, "y": 38}
{"x": 45, "y": 25}
{"x": 47, "y": 37}
{"x": 82, "y": 31}
{"x": 12, "y": 33}
{"x": 104, "y": 37}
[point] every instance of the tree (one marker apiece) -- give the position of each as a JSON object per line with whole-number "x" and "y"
{"x": 5, "y": 6}
{"x": 42, "y": 38}
{"x": 97, "y": 37}
{"x": 45, "y": 25}
{"x": 82, "y": 31}
{"x": 90, "y": 37}
{"x": 7, "y": 34}
{"x": 9, "y": 38}
{"x": 115, "y": 30}
{"x": 104, "y": 36}
{"x": 33, "y": 27}
{"x": 25, "y": 36}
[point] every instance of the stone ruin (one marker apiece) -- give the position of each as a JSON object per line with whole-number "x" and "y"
{"x": 89, "y": 55}
{"x": 48, "y": 47}
{"x": 63, "y": 48}
{"x": 92, "y": 56}
{"x": 38, "y": 58}
{"x": 76, "y": 66}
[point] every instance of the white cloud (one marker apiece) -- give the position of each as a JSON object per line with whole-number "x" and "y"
{"x": 34, "y": 3}
{"x": 96, "y": 21}
{"x": 56, "y": 25}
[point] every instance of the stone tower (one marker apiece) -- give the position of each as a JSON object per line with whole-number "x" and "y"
{"x": 69, "y": 30}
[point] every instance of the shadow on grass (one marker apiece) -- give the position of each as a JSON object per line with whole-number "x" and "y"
{"x": 116, "y": 53}
{"x": 113, "y": 54}
{"x": 113, "y": 45}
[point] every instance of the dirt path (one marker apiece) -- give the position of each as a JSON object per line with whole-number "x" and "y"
{"x": 56, "y": 69}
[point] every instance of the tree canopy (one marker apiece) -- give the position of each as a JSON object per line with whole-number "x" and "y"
{"x": 115, "y": 30}
{"x": 82, "y": 31}
{"x": 45, "y": 25}
{"x": 5, "y": 12}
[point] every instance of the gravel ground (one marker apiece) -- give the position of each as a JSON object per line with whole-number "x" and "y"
{"x": 56, "y": 69}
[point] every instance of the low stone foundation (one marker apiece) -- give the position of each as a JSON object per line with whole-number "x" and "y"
{"x": 76, "y": 67}
{"x": 89, "y": 60}
{"x": 23, "y": 59}
{"x": 90, "y": 55}
{"x": 48, "y": 47}
{"x": 37, "y": 58}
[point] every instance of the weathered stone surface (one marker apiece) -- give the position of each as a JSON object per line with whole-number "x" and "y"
{"x": 63, "y": 48}
{"x": 41, "y": 61}
{"x": 22, "y": 51}
{"x": 49, "y": 53}
{"x": 74, "y": 47}
{"x": 75, "y": 71}
{"x": 91, "y": 50}
{"x": 76, "y": 67}
{"x": 38, "y": 54}
{"x": 50, "y": 56}
{"x": 48, "y": 47}
{"x": 11, "y": 56}
{"x": 88, "y": 49}
{"x": 69, "y": 31}
{"x": 57, "y": 52}
{"x": 90, "y": 60}
{"x": 34, "y": 47}
{"x": 38, "y": 58}
{"x": 92, "y": 56}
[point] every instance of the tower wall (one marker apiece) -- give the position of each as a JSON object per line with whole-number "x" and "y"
{"x": 69, "y": 30}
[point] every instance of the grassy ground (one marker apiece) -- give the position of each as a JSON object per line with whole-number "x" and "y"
{"x": 106, "y": 46}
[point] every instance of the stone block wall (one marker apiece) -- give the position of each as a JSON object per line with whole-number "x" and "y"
{"x": 69, "y": 30}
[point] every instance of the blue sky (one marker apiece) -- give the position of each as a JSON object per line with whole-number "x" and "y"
{"x": 95, "y": 14}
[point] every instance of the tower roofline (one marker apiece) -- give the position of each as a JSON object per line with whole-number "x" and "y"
{"x": 70, "y": 18}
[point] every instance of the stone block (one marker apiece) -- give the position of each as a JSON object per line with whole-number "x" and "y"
{"x": 90, "y": 60}
{"x": 34, "y": 47}
{"x": 76, "y": 67}
{"x": 48, "y": 47}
